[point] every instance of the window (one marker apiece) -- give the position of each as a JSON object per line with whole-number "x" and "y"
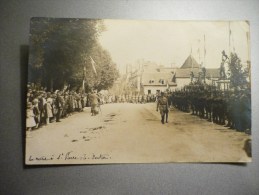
{"x": 161, "y": 81}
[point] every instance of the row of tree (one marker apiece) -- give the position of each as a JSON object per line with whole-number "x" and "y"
{"x": 60, "y": 51}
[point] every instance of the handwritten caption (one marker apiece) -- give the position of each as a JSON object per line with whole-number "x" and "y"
{"x": 70, "y": 156}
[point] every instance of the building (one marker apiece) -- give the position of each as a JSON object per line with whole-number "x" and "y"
{"x": 151, "y": 78}
{"x": 157, "y": 81}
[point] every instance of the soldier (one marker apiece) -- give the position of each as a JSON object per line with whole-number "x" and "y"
{"x": 94, "y": 100}
{"x": 237, "y": 111}
{"x": 222, "y": 109}
{"x": 215, "y": 108}
{"x": 162, "y": 104}
{"x": 208, "y": 105}
{"x": 245, "y": 110}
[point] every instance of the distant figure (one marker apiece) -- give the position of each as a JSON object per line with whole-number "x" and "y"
{"x": 222, "y": 67}
{"x": 94, "y": 100}
{"x": 191, "y": 76}
{"x": 162, "y": 104}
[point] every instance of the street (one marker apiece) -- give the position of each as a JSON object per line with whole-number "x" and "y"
{"x": 133, "y": 133}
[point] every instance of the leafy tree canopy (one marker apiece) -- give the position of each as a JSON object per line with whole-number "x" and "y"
{"x": 60, "y": 49}
{"x": 237, "y": 74}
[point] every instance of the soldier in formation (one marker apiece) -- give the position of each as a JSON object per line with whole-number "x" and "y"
{"x": 229, "y": 108}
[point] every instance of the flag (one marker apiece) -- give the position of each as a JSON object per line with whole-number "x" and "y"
{"x": 93, "y": 65}
{"x": 229, "y": 37}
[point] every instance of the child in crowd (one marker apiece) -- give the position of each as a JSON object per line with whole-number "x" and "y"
{"x": 48, "y": 110}
{"x": 30, "y": 122}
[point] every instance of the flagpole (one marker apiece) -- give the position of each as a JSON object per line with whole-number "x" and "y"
{"x": 229, "y": 38}
{"x": 191, "y": 58}
{"x": 204, "y": 57}
{"x": 248, "y": 57}
{"x": 199, "y": 52}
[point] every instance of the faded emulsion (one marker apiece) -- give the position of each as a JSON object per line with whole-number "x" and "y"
{"x": 138, "y": 91}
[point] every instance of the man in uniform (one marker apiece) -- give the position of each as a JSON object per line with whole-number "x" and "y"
{"x": 94, "y": 100}
{"x": 162, "y": 104}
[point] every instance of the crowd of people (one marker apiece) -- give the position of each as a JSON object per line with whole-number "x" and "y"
{"x": 44, "y": 107}
{"x": 231, "y": 108}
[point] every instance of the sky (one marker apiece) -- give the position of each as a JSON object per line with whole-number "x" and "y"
{"x": 169, "y": 43}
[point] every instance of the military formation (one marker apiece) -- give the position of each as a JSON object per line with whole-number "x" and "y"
{"x": 231, "y": 108}
{"x": 127, "y": 98}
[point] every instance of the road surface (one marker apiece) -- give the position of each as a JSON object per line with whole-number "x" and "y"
{"x": 133, "y": 133}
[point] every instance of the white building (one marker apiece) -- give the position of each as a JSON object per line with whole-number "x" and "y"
{"x": 151, "y": 78}
{"x": 155, "y": 82}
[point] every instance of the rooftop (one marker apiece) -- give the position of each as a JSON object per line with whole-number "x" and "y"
{"x": 190, "y": 62}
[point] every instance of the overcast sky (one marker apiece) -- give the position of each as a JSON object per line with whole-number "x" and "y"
{"x": 170, "y": 42}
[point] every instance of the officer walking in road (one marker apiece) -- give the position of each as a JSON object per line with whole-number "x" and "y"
{"x": 162, "y": 104}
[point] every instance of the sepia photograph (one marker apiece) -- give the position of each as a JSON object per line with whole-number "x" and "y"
{"x": 102, "y": 91}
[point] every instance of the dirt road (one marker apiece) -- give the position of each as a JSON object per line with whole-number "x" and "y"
{"x": 133, "y": 133}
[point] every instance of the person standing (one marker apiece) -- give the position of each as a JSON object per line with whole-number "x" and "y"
{"x": 36, "y": 111}
{"x": 30, "y": 122}
{"x": 162, "y": 105}
{"x": 42, "y": 102}
{"x": 94, "y": 100}
{"x": 59, "y": 106}
{"x": 48, "y": 108}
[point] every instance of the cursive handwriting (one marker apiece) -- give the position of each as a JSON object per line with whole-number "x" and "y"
{"x": 100, "y": 156}
{"x": 65, "y": 156}
{"x": 41, "y": 158}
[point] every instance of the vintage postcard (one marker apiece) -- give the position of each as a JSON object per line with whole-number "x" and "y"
{"x": 138, "y": 91}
